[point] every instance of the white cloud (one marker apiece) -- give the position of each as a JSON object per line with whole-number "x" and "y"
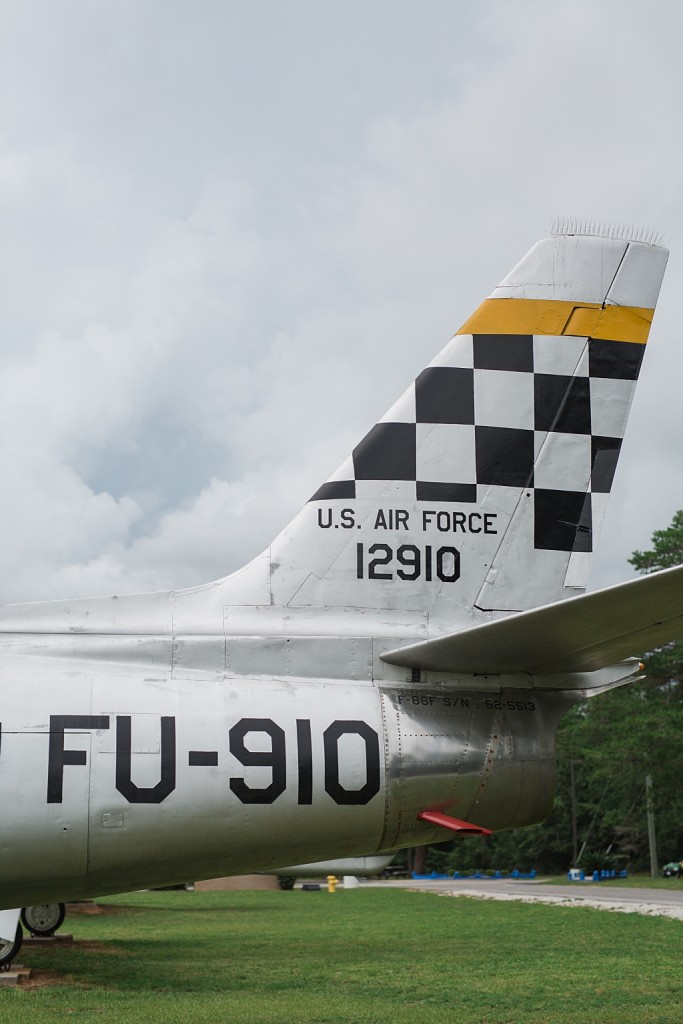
{"x": 222, "y": 265}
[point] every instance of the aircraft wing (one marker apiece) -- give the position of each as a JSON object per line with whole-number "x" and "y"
{"x": 581, "y": 634}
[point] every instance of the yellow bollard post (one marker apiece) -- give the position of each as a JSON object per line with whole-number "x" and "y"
{"x": 332, "y": 883}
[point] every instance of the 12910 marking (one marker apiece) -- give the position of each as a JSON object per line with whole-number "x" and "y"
{"x": 408, "y": 562}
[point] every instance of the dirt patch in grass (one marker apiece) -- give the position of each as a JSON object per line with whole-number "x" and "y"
{"x": 95, "y": 909}
{"x": 93, "y": 946}
{"x": 46, "y": 979}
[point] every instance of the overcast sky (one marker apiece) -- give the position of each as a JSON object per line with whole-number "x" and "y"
{"x": 233, "y": 232}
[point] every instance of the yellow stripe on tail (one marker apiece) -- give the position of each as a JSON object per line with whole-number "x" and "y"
{"x": 543, "y": 316}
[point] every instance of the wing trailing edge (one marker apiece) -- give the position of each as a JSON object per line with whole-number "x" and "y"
{"x": 581, "y": 634}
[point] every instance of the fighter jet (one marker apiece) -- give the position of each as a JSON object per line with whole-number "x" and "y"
{"x": 392, "y": 668}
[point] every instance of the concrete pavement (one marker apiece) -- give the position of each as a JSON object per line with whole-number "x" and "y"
{"x": 658, "y": 902}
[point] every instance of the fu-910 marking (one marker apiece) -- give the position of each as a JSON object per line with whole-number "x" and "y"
{"x": 275, "y": 759}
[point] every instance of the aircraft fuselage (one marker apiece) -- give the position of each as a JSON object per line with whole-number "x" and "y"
{"x": 118, "y": 774}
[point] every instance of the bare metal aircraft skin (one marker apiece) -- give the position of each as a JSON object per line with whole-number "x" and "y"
{"x": 395, "y": 663}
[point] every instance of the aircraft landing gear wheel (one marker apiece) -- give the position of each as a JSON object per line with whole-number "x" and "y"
{"x": 9, "y": 949}
{"x": 44, "y": 918}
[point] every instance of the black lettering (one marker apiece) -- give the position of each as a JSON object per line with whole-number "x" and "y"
{"x": 459, "y": 521}
{"x": 448, "y": 564}
{"x": 373, "y": 574}
{"x": 489, "y": 518}
{"x": 202, "y": 758}
{"x": 401, "y": 518}
{"x": 304, "y": 752}
{"x": 443, "y": 521}
{"x": 275, "y": 759}
{"x": 409, "y": 555}
{"x": 413, "y": 563}
{"x": 425, "y": 520}
{"x": 472, "y": 517}
{"x": 380, "y": 521}
{"x": 333, "y": 786}
{"x": 321, "y": 524}
{"x": 124, "y": 750}
{"x": 57, "y": 756}
{"x": 347, "y": 519}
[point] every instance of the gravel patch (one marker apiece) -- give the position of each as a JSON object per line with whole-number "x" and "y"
{"x": 620, "y": 906}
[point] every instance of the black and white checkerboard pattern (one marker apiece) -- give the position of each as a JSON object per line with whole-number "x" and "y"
{"x": 541, "y": 413}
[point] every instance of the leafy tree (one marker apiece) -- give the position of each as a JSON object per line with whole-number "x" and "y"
{"x": 665, "y": 665}
{"x": 666, "y": 550}
{"x": 628, "y": 733}
{"x": 614, "y": 740}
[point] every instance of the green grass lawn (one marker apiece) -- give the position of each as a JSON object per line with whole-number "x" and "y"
{"x": 357, "y": 957}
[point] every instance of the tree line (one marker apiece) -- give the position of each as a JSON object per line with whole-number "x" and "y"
{"x": 606, "y": 747}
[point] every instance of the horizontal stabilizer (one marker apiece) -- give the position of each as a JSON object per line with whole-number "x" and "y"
{"x": 581, "y": 634}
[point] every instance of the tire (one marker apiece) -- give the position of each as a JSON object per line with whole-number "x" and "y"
{"x": 44, "y": 918}
{"x": 9, "y": 949}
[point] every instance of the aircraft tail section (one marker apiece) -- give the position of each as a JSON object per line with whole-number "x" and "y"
{"x": 483, "y": 488}
{"x": 480, "y": 492}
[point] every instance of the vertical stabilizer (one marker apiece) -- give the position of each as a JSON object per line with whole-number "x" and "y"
{"x": 483, "y": 488}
